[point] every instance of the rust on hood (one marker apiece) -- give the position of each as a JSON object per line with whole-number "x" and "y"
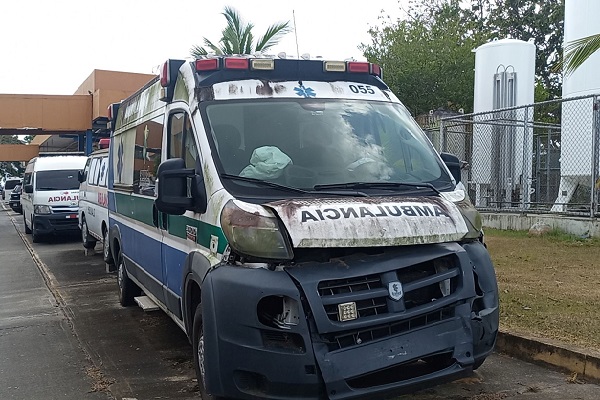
{"x": 367, "y": 222}
{"x": 291, "y": 206}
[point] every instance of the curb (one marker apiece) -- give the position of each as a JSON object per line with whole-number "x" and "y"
{"x": 585, "y": 364}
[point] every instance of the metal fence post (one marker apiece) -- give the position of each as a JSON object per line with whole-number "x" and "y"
{"x": 595, "y": 156}
{"x": 442, "y": 136}
{"x": 526, "y": 162}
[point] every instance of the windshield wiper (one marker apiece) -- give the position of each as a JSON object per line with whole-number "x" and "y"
{"x": 378, "y": 185}
{"x": 260, "y": 182}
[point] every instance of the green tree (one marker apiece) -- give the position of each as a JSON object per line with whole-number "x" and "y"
{"x": 541, "y": 21}
{"x": 577, "y": 52}
{"x": 427, "y": 58}
{"x": 237, "y": 37}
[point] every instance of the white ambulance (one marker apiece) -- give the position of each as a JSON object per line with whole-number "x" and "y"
{"x": 293, "y": 219}
{"x": 93, "y": 201}
{"x": 50, "y": 195}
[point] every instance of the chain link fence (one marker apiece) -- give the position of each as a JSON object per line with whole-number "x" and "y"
{"x": 539, "y": 158}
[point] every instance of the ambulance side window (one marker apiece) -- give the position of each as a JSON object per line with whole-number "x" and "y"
{"x": 92, "y": 172}
{"x": 148, "y": 146}
{"x": 86, "y": 169}
{"x": 181, "y": 139}
{"x": 27, "y": 179}
{"x": 103, "y": 171}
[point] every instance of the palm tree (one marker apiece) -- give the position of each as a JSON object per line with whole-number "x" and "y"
{"x": 237, "y": 37}
{"x": 578, "y": 51}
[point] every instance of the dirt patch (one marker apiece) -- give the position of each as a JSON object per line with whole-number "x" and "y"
{"x": 100, "y": 383}
{"x": 549, "y": 285}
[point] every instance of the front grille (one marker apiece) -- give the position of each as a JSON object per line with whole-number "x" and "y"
{"x": 422, "y": 284}
{"x": 361, "y": 336}
{"x": 64, "y": 209}
{"x": 64, "y": 222}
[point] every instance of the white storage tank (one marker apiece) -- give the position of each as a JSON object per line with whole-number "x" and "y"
{"x": 504, "y": 77}
{"x": 581, "y": 20}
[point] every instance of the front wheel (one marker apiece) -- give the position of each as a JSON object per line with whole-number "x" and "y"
{"x": 36, "y": 237}
{"x": 106, "y": 254}
{"x": 88, "y": 241}
{"x": 199, "y": 360}
{"x": 128, "y": 290}
{"x": 27, "y": 230}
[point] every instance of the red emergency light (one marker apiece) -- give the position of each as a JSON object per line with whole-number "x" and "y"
{"x": 103, "y": 143}
{"x": 236, "y": 63}
{"x": 359, "y": 67}
{"x": 210, "y": 64}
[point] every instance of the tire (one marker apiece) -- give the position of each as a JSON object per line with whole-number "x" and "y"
{"x": 27, "y": 230}
{"x": 127, "y": 288}
{"x": 478, "y": 363}
{"x": 88, "y": 241}
{"x": 35, "y": 236}
{"x": 106, "y": 253}
{"x": 198, "y": 346}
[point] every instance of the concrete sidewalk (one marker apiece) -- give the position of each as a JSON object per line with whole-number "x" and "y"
{"x": 40, "y": 357}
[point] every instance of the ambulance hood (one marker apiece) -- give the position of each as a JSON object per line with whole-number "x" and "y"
{"x": 369, "y": 222}
{"x": 53, "y": 198}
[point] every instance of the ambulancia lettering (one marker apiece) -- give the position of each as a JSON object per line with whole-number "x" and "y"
{"x": 52, "y": 199}
{"x": 431, "y": 210}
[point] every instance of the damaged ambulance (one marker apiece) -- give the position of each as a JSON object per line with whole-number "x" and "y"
{"x": 293, "y": 219}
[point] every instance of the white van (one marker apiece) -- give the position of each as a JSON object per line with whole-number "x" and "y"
{"x": 93, "y": 203}
{"x": 295, "y": 221}
{"x": 9, "y": 185}
{"x": 51, "y": 195}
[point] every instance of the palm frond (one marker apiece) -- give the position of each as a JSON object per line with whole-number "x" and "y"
{"x": 272, "y": 36}
{"x": 197, "y": 51}
{"x": 578, "y": 51}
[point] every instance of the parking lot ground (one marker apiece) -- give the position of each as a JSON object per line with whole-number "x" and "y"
{"x": 40, "y": 356}
{"x": 92, "y": 343}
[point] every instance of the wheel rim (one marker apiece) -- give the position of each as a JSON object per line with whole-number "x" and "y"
{"x": 105, "y": 244}
{"x": 120, "y": 273}
{"x": 84, "y": 232}
{"x": 201, "y": 358}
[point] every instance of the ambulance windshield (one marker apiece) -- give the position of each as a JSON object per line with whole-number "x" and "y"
{"x": 312, "y": 142}
{"x": 57, "y": 180}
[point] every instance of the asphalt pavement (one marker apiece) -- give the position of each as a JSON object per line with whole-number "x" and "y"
{"x": 63, "y": 335}
{"x": 40, "y": 356}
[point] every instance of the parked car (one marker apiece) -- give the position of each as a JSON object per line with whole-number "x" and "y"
{"x": 15, "y": 199}
{"x": 9, "y": 185}
{"x": 93, "y": 203}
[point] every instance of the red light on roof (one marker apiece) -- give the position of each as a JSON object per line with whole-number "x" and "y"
{"x": 236, "y": 63}
{"x": 210, "y": 64}
{"x": 103, "y": 143}
{"x": 164, "y": 74}
{"x": 376, "y": 70}
{"x": 360, "y": 67}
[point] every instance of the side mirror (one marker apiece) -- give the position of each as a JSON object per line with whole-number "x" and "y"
{"x": 179, "y": 188}
{"x": 81, "y": 176}
{"x": 453, "y": 164}
{"x": 28, "y": 188}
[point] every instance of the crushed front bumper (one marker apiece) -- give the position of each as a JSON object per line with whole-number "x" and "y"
{"x": 392, "y": 347}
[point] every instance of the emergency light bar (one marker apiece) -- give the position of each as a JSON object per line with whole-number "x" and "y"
{"x": 217, "y": 69}
{"x": 266, "y": 64}
{"x": 103, "y": 143}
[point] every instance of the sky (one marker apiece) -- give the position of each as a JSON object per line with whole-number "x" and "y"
{"x": 52, "y": 46}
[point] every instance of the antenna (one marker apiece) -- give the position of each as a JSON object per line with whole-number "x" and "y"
{"x": 296, "y": 33}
